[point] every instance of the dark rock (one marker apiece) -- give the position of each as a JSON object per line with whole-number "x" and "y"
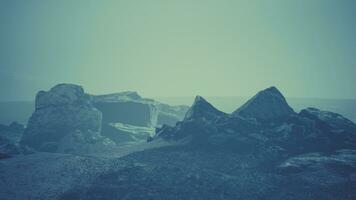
{"x": 264, "y": 123}
{"x": 8, "y": 148}
{"x": 203, "y": 109}
{"x": 12, "y": 132}
{"x": 268, "y": 104}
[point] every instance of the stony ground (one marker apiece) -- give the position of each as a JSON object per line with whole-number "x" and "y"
{"x": 177, "y": 172}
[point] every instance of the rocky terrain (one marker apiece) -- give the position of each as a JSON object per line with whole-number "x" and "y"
{"x": 67, "y": 120}
{"x": 263, "y": 150}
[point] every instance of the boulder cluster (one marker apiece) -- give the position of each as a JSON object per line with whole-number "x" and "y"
{"x": 265, "y": 123}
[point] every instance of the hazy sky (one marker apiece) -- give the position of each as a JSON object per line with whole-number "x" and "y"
{"x": 307, "y": 48}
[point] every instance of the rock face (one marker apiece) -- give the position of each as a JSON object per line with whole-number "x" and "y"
{"x": 265, "y": 105}
{"x": 197, "y": 121}
{"x": 127, "y": 108}
{"x": 127, "y": 117}
{"x": 66, "y": 119}
{"x": 62, "y": 112}
{"x": 264, "y": 124}
{"x": 130, "y": 108}
{"x": 203, "y": 109}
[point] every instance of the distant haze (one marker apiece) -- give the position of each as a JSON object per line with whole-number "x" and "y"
{"x": 179, "y": 48}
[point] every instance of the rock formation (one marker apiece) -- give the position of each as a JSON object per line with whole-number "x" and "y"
{"x": 130, "y": 108}
{"x": 264, "y": 123}
{"x": 203, "y": 109}
{"x": 64, "y": 111}
{"x": 268, "y": 104}
{"x": 127, "y": 108}
{"x": 12, "y": 132}
{"x": 127, "y": 117}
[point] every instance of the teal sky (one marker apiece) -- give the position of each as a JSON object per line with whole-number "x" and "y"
{"x": 307, "y": 48}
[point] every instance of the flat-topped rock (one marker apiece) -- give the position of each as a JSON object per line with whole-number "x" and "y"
{"x": 63, "y": 110}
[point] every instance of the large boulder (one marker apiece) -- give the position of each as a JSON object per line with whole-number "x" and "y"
{"x": 63, "y": 111}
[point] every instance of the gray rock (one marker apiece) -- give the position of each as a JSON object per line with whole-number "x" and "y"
{"x": 62, "y": 111}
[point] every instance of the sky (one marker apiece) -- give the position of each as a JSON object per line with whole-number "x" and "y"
{"x": 179, "y": 47}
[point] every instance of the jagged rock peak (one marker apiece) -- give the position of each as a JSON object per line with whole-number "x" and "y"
{"x": 265, "y": 105}
{"x": 60, "y": 95}
{"x": 203, "y": 109}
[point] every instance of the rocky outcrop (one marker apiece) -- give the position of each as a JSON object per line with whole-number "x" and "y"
{"x": 204, "y": 110}
{"x": 268, "y": 104}
{"x": 264, "y": 124}
{"x": 62, "y": 112}
{"x": 12, "y": 132}
{"x": 7, "y": 148}
{"x": 66, "y": 119}
{"x": 128, "y": 112}
{"x": 10, "y": 136}
{"x": 198, "y": 121}
{"x": 127, "y": 117}
{"x": 130, "y": 108}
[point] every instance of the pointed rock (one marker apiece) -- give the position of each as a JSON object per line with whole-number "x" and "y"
{"x": 265, "y": 105}
{"x": 203, "y": 109}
